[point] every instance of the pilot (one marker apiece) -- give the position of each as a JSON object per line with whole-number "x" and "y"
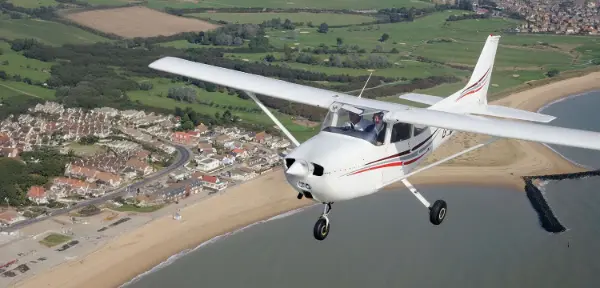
{"x": 357, "y": 122}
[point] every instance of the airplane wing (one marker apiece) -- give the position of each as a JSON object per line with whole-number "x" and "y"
{"x": 498, "y": 127}
{"x": 264, "y": 85}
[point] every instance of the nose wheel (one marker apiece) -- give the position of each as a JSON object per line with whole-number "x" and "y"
{"x": 321, "y": 229}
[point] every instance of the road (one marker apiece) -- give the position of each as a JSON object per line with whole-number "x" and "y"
{"x": 183, "y": 156}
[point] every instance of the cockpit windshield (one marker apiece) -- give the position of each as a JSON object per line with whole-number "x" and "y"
{"x": 358, "y": 122}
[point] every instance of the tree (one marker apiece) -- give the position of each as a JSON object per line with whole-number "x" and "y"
{"x": 323, "y": 28}
{"x": 340, "y": 41}
{"x": 384, "y": 37}
{"x": 552, "y": 72}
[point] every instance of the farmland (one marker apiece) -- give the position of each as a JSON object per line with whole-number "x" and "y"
{"x": 329, "y": 4}
{"x": 33, "y": 3}
{"x": 138, "y": 22}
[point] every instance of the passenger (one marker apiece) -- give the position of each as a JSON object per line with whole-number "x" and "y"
{"x": 357, "y": 122}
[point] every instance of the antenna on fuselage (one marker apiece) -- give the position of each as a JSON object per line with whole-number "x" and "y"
{"x": 363, "y": 89}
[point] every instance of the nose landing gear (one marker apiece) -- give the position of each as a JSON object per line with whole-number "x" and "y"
{"x": 321, "y": 229}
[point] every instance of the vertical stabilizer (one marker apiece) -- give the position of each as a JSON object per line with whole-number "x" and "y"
{"x": 475, "y": 92}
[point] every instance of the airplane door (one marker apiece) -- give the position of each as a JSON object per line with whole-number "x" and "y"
{"x": 399, "y": 145}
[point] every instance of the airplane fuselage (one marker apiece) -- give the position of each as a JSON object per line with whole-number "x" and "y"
{"x": 354, "y": 167}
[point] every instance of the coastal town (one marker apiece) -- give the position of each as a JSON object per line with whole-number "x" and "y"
{"x": 109, "y": 153}
{"x": 548, "y": 16}
{"x": 113, "y": 149}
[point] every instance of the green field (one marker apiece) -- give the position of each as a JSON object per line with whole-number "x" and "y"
{"x": 133, "y": 208}
{"x": 402, "y": 67}
{"x": 19, "y": 88}
{"x": 257, "y": 18}
{"x": 329, "y": 4}
{"x": 54, "y": 239}
{"x": 51, "y": 33}
{"x": 33, "y": 3}
{"x": 14, "y": 63}
{"x": 157, "y": 97}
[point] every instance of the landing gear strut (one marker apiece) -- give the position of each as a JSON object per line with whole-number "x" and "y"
{"x": 321, "y": 229}
{"x": 437, "y": 211}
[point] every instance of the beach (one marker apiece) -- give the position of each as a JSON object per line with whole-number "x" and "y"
{"x": 128, "y": 255}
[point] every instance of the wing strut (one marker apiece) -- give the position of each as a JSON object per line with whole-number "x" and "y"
{"x": 285, "y": 131}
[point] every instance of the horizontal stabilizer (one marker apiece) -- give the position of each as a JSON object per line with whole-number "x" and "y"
{"x": 511, "y": 113}
{"x": 498, "y": 127}
{"x": 421, "y": 98}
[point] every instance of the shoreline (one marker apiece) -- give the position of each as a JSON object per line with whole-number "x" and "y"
{"x": 548, "y": 146}
{"x": 141, "y": 251}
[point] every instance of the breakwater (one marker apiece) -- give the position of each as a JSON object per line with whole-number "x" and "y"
{"x": 547, "y": 218}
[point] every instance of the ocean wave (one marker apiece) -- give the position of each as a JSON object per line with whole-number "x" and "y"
{"x": 173, "y": 258}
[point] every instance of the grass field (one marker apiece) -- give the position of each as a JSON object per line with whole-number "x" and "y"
{"x": 86, "y": 150}
{"x": 329, "y": 4}
{"x": 54, "y": 239}
{"x": 33, "y": 3}
{"x": 401, "y": 68}
{"x": 51, "y": 33}
{"x": 14, "y": 63}
{"x": 132, "y": 208}
{"x": 20, "y": 88}
{"x": 257, "y": 18}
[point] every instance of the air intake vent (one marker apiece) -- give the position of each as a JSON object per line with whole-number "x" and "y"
{"x": 289, "y": 162}
{"x": 318, "y": 171}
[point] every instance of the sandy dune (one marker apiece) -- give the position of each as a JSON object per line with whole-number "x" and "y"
{"x": 131, "y": 254}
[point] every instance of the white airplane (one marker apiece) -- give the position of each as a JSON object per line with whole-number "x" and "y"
{"x": 353, "y": 156}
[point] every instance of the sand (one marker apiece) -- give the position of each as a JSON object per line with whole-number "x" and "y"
{"x": 131, "y": 254}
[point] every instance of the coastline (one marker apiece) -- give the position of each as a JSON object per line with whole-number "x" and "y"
{"x": 126, "y": 257}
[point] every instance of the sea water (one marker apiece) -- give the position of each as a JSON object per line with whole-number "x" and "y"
{"x": 490, "y": 238}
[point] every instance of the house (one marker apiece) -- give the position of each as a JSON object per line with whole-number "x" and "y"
{"x": 262, "y": 137}
{"x": 181, "y": 137}
{"x": 59, "y": 184}
{"x": 9, "y": 217}
{"x": 242, "y": 174}
{"x": 37, "y": 194}
{"x": 182, "y": 189}
{"x": 205, "y": 147}
{"x": 138, "y": 166}
{"x": 239, "y": 153}
{"x": 222, "y": 140}
{"x": 108, "y": 178}
{"x": 201, "y": 129}
{"x": 9, "y": 152}
{"x": 207, "y": 164}
{"x": 213, "y": 183}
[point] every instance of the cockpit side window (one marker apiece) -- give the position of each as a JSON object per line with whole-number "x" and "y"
{"x": 418, "y": 129}
{"x": 401, "y": 132}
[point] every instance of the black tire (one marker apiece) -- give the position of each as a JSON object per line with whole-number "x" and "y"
{"x": 321, "y": 229}
{"x": 437, "y": 212}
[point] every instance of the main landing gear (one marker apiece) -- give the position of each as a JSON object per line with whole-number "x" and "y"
{"x": 322, "y": 226}
{"x": 437, "y": 211}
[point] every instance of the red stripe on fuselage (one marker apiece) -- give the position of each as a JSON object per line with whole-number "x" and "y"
{"x": 393, "y": 164}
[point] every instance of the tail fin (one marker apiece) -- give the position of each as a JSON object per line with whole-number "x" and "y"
{"x": 475, "y": 92}
{"x": 473, "y": 98}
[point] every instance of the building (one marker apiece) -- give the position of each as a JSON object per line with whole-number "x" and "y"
{"x": 9, "y": 217}
{"x": 138, "y": 166}
{"x": 242, "y": 174}
{"x": 207, "y": 164}
{"x": 182, "y": 189}
{"x": 213, "y": 183}
{"x": 37, "y": 194}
